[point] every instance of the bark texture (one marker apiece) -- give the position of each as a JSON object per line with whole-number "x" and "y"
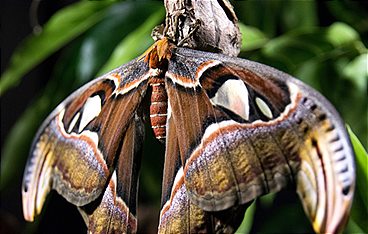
{"x": 202, "y": 25}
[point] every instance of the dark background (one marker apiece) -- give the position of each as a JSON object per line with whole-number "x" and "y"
{"x": 15, "y": 26}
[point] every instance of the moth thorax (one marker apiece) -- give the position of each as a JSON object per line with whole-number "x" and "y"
{"x": 158, "y": 109}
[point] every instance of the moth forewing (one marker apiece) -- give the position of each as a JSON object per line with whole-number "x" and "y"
{"x": 291, "y": 131}
{"x": 74, "y": 150}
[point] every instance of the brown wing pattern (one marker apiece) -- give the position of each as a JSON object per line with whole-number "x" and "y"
{"x": 76, "y": 148}
{"x": 115, "y": 210}
{"x": 179, "y": 214}
{"x": 279, "y": 133}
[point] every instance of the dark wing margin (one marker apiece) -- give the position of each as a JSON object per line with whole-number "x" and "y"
{"x": 77, "y": 146}
{"x": 280, "y": 133}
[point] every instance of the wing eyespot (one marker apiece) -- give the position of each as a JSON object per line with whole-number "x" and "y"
{"x": 90, "y": 110}
{"x": 264, "y": 108}
{"x": 233, "y": 95}
{"x": 74, "y": 121}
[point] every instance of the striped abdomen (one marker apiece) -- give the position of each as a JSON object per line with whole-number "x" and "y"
{"x": 158, "y": 109}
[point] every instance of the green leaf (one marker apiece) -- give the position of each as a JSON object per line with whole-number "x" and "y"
{"x": 134, "y": 44}
{"x": 64, "y": 26}
{"x": 361, "y": 157}
{"x": 252, "y": 38}
{"x": 267, "y": 200}
{"x": 297, "y": 47}
{"x": 272, "y": 16}
{"x": 260, "y": 14}
{"x": 340, "y": 33}
{"x": 335, "y": 68}
{"x": 246, "y": 225}
{"x": 352, "y": 227}
{"x": 353, "y": 13}
{"x": 359, "y": 212}
{"x": 319, "y": 44}
{"x": 102, "y": 39}
{"x": 357, "y": 72}
{"x": 299, "y": 14}
{"x": 17, "y": 145}
{"x": 310, "y": 72}
{"x": 18, "y": 142}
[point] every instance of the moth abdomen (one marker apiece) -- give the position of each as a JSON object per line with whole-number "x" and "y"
{"x": 158, "y": 109}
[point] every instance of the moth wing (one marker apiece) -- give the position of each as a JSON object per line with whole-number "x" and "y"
{"x": 324, "y": 172}
{"x": 235, "y": 148}
{"x": 115, "y": 211}
{"x": 75, "y": 149}
{"x": 178, "y": 213}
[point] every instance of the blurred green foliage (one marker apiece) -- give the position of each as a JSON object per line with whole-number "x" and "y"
{"x": 321, "y": 43}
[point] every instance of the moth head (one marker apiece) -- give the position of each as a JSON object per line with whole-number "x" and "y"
{"x": 158, "y": 54}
